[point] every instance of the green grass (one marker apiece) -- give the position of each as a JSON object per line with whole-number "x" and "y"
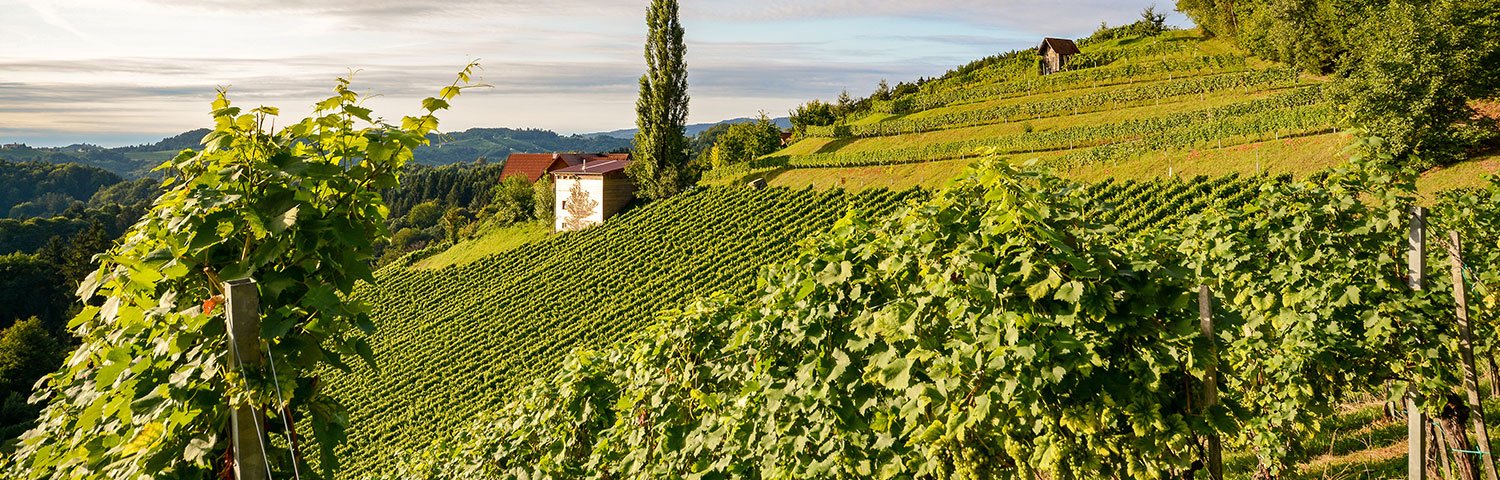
{"x": 1469, "y": 174}
{"x": 493, "y": 241}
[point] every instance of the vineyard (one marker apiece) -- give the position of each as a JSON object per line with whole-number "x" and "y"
{"x": 455, "y": 342}
{"x": 1293, "y": 113}
{"x": 1123, "y": 99}
{"x": 1016, "y": 325}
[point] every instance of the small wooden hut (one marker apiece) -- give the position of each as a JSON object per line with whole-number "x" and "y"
{"x": 589, "y": 193}
{"x": 1056, "y": 54}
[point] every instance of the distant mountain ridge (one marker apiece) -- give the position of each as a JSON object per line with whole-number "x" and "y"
{"x": 495, "y": 144}
{"x": 475, "y": 144}
{"x": 692, "y": 130}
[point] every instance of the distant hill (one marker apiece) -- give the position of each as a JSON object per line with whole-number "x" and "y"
{"x": 692, "y": 130}
{"x": 491, "y": 144}
{"x": 109, "y": 159}
{"x": 41, "y": 189}
{"x": 494, "y": 144}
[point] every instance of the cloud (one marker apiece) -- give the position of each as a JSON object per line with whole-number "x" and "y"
{"x": 402, "y": 9}
{"x": 1031, "y": 16}
{"x": 50, "y": 16}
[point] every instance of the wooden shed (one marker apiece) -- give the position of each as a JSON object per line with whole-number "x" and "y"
{"x": 589, "y": 193}
{"x": 1056, "y": 54}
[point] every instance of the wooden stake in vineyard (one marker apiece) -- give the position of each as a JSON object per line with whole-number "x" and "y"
{"x": 1416, "y": 422}
{"x": 1210, "y": 382}
{"x": 247, "y": 431}
{"x": 1466, "y": 352}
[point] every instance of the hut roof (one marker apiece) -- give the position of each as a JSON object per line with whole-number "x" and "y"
{"x": 534, "y": 165}
{"x": 601, "y": 167}
{"x": 1062, "y": 46}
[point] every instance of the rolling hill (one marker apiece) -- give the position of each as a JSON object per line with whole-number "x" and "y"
{"x": 462, "y": 331}
{"x": 1133, "y": 107}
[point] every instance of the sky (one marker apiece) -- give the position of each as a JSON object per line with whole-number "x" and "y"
{"x": 121, "y": 72}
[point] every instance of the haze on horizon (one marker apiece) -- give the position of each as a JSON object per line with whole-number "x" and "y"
{"x": 119, "y": 72}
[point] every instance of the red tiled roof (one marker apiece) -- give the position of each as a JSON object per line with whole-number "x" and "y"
{"x": 600, "y": 167}
{"x": 1062, "y": 46}
{"x": 531, "y": 165}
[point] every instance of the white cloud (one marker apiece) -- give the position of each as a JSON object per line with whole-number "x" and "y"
{"x": 46, "y": 10}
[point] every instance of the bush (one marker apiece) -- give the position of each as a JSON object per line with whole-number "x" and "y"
{"x": 513, "y": 200}
{"x": 745, "y": 142}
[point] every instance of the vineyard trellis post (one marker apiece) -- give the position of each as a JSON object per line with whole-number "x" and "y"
{"x": 1466, "y": 352}
{"x": 246, "y": 433}
{"x": 1210, "y": 381}
{"x": 1416, "y": 422}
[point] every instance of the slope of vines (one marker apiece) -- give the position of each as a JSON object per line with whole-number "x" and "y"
{"x": 457, "y": 341}
{"x": 1290, "y": 113}
{"x": 902, "y": 347}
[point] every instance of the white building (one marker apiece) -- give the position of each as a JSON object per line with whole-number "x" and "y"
{"x": 589, "y": 193}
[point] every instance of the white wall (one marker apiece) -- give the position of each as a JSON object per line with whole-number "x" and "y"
{"x": 593, "y": 185}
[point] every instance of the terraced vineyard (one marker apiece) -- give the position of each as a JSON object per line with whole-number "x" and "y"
{"x": 456, "y": 341}
{"x": 1169, "y": 95}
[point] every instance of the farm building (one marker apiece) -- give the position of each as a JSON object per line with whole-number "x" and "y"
{"x": 534, "y": 166}
{"x": 589, "y": 193}
{"x": 1056, "y": 53}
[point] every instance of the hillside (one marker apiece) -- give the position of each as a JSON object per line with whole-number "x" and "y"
{"x": 455, "y": 341}
{"x": 1131, "y": 107}
{"x": 465, "y": 328}
{"x": 39, "y": 189}
{"x": 458, "y": 340}
{"x": 494, "y": 144}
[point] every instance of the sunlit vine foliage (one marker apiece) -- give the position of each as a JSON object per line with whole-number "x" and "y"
{"x": 1005, "y": 328}
{"x": 147, "y": 393}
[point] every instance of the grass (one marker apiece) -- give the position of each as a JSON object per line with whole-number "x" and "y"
{"x": 1469, "y": 174}
{"x": 493, "y": 241}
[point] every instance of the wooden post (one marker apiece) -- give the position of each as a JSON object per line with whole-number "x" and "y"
{"x": 1210, "y": 381}
{"x": 1416, "y": 422}
{"x": 1466, "y": 352}
{"x": 246, "y": 425}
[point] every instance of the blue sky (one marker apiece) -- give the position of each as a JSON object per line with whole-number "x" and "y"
{"x": 117, "y": 72}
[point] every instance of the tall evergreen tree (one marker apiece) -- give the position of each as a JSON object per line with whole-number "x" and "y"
{"x": 660, "y": 166}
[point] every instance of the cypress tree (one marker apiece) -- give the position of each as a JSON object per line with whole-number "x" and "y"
{"x": 660, "y": 163}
